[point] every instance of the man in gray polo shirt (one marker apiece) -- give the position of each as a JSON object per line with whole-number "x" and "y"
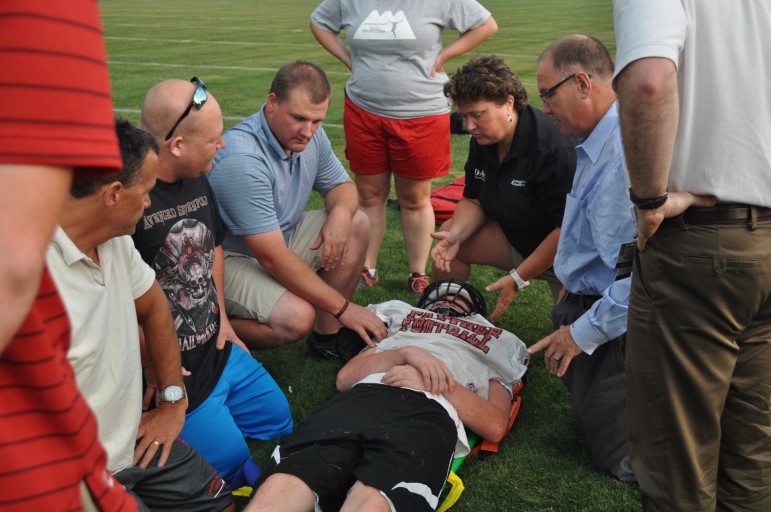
{"x": 283, "y": 264}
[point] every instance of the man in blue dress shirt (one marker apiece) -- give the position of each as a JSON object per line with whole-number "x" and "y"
{"x": 587, "y": 348}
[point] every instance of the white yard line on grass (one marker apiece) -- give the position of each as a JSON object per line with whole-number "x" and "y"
{"x": 201, "y": 41}
{"x": 202, "y": 66}
{"x": 227, "y": 118}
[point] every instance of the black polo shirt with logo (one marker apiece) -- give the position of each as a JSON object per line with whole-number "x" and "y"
{"x": 525, "y": 194}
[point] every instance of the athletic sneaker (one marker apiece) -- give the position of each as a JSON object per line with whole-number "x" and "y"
{"x": 368, "y": 279}
{"x": 342, "y": 346}
{"x": 349, "y": 344}
{"x": 317, "y": 349}
{"x": 417, "y": 282}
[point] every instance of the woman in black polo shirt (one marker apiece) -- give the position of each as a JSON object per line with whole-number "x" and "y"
{"x": 519, "y": 170}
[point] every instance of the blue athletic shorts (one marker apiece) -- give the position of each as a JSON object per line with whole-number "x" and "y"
{"x": 246, "y": 402}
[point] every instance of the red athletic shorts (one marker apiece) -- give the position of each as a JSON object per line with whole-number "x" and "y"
{"x": 416, "y": 148}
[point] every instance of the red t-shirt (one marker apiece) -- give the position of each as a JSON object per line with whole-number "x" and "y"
{"x": 55, "y": 109}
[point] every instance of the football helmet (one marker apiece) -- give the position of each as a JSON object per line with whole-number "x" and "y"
{"x": 453, "y": 297}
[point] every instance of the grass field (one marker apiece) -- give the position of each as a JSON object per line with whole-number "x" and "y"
{"x": 236, "y": 46}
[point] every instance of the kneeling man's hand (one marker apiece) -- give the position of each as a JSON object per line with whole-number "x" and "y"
{"x": 560, "y": 348}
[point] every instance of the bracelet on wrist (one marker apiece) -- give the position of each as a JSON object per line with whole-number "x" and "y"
{"x": 521, "y": 283}
{"x": 648, "y": 203}
{"x": 342, "y": 310}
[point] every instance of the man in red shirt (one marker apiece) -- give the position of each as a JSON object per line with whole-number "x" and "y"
{"x": 57, "y": 122}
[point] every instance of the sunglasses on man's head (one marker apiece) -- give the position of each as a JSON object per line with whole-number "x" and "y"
{"x": 199, "y": 98}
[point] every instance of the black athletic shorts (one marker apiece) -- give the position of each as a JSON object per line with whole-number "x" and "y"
{"x": 187, "y": 482}
{"x": 396, "y": 440}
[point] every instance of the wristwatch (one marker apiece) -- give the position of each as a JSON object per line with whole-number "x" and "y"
{"x": 648, "y": 203}
{"x": 172, "y": 394}
{"x": 521, "y": 283}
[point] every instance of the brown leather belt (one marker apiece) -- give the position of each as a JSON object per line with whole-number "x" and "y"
{"x": 723, "y": 213}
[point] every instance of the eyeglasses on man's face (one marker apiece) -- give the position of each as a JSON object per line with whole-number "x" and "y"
{"x": 199, "y": 98}
{"x": 551, "y": 90}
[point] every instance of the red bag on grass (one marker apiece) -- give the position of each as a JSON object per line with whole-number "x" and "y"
{"x": 444, "y": 199}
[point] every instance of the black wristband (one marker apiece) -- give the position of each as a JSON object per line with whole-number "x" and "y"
{"x": 648, "y": 203}
{"x": 342, "y": 310}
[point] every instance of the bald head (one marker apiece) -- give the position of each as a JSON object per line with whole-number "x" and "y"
{"x": 189, "y": 151}
{"x": 165, "y": 103}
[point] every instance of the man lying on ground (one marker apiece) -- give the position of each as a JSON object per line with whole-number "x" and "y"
{"x": 387, "y": 441}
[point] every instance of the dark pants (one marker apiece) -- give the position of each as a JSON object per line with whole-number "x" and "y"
{"x": 597, "y": 387}
{"x": 699, "y": 366}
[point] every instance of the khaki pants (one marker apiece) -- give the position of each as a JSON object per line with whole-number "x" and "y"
{"x": 252, "y": 293}
{"x": 699, "y": 368}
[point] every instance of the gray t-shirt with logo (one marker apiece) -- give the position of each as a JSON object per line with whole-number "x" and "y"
{"x": 394, "y": 45}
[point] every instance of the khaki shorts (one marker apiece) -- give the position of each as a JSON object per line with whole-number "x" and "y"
{"x": 547, "y": 275}
{"x": 250, "y": 291}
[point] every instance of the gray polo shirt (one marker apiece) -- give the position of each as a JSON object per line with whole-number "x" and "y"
{"x": 260, "y": 188}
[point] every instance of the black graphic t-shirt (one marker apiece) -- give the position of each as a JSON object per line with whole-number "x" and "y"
{"x": 176, "y": 236}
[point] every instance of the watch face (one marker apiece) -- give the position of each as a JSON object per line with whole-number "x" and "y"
{"x": 172, "y": 394}
{"x": 521, "y": 283}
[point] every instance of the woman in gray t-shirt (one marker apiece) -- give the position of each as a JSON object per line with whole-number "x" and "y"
{"x": 396, "y": 117}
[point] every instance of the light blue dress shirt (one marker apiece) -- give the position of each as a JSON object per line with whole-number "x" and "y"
{"x": 599, "y": 217}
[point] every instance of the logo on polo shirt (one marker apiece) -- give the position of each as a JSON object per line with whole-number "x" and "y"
{"x": 479, "y": 174}
{"x": 518, "y": 183}
{"x": 385, "y": 26}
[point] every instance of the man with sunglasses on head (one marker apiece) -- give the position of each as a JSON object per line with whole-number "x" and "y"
{"x": 288, "y": 271}
{"x": 230, "y": 395}
{"x": 587, "y": 348}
